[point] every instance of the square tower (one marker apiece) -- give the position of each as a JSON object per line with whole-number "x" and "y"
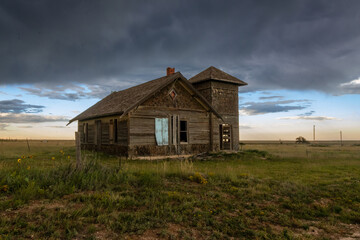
{"x": 221, "y": 91}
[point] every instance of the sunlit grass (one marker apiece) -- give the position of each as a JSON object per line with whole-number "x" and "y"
{"x": 264, "y": 192}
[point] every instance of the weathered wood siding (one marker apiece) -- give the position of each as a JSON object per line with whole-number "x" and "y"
{"x": 205, "y": 89}
{"x": 81, "y": 131}
{"x": 123, "y": 132}
{"x": 142, "y": 125}
{"x": 105, "y": 137}
{"x": 91, "y": 132}
{"x": 142, "y": 139}
{"x": 120, "y": 147}
{"x": 225, "y": 100}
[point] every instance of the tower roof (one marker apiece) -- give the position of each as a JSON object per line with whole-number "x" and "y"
{"x": 212, "y": 73}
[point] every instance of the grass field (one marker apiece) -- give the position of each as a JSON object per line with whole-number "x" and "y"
{"x": 266, "y": 191}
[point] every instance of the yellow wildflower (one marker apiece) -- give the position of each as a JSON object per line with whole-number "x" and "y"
{"x": 199, "y": 178}
{"x": 5, "y": 188}
{"x": 52, "y": 158}
{"x": 23, "y": 156}
{"x": 19, "y": 160}
{"x": 68, "y": 157}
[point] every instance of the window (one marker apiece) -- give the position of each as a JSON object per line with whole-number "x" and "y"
{"x": 115, "y": 131}
{"x": 111, "y": 131}
{"x": 172, "y": 94}
{"x": 171, "y": 129}
{"x": 183, "y": 131}
{"x": 113, "y": 134}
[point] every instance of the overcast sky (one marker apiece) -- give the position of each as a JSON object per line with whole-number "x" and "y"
{"x": 57, "y": 58}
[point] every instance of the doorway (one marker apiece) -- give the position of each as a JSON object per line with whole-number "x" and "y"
{"x": 225, "y": 136}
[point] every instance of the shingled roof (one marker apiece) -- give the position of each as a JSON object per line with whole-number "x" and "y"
{"x": 216, "y": 74}
{"x": 121, "y": 102}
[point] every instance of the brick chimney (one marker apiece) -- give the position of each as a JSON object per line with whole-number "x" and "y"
{"x": 170, "y": 71}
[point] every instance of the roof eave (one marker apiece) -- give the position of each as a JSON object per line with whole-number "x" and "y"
{"x": 242, "y": 83}
{"x": 94, "y": 117}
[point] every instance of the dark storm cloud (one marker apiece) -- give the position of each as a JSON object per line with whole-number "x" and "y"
{"x": 257, "y": 108}
{"x": 52, "y": 94}
{"x": 298, "y": 44}
{"x": 18, "y": 106}
{"x": 72, "y": 92}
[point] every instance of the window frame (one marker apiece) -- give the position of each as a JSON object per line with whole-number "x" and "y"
{"x": 115, "y": 131}
{"x": 184, "y": 131}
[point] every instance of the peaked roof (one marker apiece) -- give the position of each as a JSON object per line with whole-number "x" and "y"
{"x": 216, "y": 74}
{"x": 122, "y": 102}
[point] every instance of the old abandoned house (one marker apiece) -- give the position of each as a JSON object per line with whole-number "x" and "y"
{"x": 166, "y": 116}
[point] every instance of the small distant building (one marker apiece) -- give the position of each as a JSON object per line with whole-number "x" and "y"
{"x": 166, "y": 116}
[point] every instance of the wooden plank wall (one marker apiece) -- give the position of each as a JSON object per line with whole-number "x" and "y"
{"x": 91, "y": 134}
{"x": 142, "y": 125}
{"x": 225, "y": 100}
{"x": 105, "y": 128}
{"x": 122, "y": 133}
{"x": 81, "y": 131}
{"x": 105, "y": 136}
{"x": 142, "y": 119}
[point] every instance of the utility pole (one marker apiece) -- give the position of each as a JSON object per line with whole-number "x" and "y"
{"x": 314, "y": 133}
{"x": 341, "y": 138}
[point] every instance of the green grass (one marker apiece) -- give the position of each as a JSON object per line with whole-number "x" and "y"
{"x": 265, "y": 192}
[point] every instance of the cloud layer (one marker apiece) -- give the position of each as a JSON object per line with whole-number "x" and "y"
{"x": 257, "y": 108}
{"x": 316, "y": 118}
{"x": 3, "y": 126}
{"x": 299, "y": 44}
{"x": 29, "y": 118}
{"x": 19, "y": 106}
{"x": 352, "y": 87}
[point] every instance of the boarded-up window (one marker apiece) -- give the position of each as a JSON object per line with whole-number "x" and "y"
{"x": 86, "y": 133}
{"x": 162, "y": 131}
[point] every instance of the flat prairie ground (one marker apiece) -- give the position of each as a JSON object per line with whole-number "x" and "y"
{"x": 265, "y": 191}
